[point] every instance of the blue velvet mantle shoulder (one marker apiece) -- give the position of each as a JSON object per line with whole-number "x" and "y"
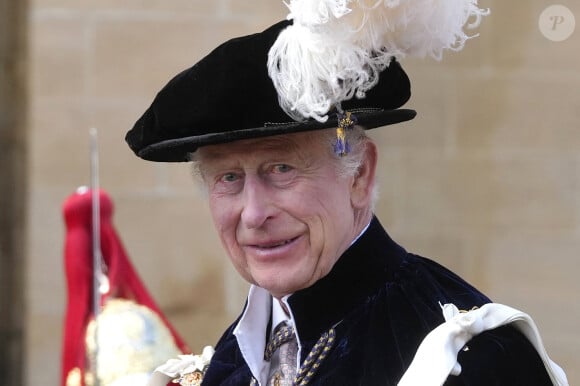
{"x": 383, "y": 301}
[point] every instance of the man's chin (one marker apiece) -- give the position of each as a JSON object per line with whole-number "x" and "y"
{"x": 280, "y": 288}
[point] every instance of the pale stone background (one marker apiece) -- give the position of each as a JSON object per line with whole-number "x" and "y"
{"x": 486, "y": 179}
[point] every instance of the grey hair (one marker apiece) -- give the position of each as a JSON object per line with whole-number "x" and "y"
{"x": 197, "y": 175}
{"x": 350, "y": 163}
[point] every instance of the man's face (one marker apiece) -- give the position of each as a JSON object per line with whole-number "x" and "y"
{"x": 283, "y": 213}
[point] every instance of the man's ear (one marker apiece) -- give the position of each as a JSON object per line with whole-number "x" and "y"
{"x": 364, "y": 180}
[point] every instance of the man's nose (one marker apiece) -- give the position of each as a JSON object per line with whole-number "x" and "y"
{"x": 257, "y": 204}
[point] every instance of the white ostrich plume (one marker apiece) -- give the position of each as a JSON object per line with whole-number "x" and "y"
{"x": 335, "y": 49}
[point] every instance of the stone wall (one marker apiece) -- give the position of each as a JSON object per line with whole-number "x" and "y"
{"x": 13, "y": 181}
{"x": 485, "y": 180}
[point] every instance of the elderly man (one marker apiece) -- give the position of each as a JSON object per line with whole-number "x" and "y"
{"x": 334, "y": 300}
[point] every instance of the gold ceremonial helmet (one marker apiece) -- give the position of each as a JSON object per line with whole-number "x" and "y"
{"x": 132, "y": 342}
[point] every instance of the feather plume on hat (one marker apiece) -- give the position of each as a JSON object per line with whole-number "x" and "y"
{"x": 335, "y": 49}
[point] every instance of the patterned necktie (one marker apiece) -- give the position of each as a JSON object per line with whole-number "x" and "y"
{"x": 281, "y": 351}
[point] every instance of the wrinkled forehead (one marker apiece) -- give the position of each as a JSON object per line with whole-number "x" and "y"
{"x": 302, "y": 145}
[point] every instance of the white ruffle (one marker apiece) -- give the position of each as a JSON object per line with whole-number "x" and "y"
{"x": 436, "y": 357}
{"x": 336, "y": 49}
{"x": 184, "y": 364}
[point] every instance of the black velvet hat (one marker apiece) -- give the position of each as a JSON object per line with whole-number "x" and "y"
{"x": 228, "y": 96}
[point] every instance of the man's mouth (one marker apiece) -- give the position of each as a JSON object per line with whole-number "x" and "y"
{"x": 274, "y": 244}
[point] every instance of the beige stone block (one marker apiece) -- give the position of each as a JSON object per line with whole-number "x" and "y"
{"x": 204, "y": 322}
{"x": 209, "y": 7}
{"x": 45, "y": 259}
{"x": 419, "y": 187}
{"x": 537, "y": 273}
{"x": 535, "y": 192}
{"x": 59, "y": 143}
{"x": 172, "y": 241}
{"x": 563, "y": 349}
{"x": 267, "y": 7}
{"x": 176, "y": 250}
{"x": 183, "y": 263}
{"x": 200, "y": 329}
{"x": 136, "y": 58}
{"x": 60, "y": 148}
{"x": 445, "y": 249}
{"x": 508, "y": 113}
{"x": 57, "y": 58}
{"x": 262, "y": 12}
{"x": 43, "y": 356}
{"x": 128, "y": 173}
{"x": 519, "y": 44}
{"x": 453, "y": 193}
{"x": 120, "y": 168}
{"x": 537, "y": 267}
{"x": 430, "y": 97}
{"x": 46, "y": 286}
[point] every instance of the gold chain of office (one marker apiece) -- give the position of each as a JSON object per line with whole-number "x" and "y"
{"x": 312, "y": 362}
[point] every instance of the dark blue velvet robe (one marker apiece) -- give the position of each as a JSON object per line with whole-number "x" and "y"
{"x": 385, "y": 301}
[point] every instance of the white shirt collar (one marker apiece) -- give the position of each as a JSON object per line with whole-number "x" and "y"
{"x": 251, "y": 332}
{"x": 278, "y": 313}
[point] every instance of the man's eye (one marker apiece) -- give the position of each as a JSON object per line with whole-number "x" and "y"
{"x": 281, "y": 168}
{"x": 229, "y": 177}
